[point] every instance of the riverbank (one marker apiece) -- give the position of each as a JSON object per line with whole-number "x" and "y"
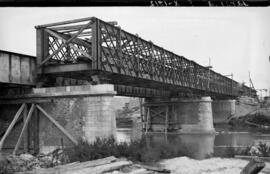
{"x": 185, "y": 165}
{"x": 259, "y": 119}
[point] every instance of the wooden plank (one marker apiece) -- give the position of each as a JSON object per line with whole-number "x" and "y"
{"x": 156, "y": 169}
{"x": 57, "y": 125}
{"x": 11, "y": 125}
{"x": 23, "y": 129}
{"x": 253, "y": 167}
{"x": 100, "y": 169}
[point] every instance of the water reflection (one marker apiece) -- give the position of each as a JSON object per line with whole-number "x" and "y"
{"x": 199, "y": 146}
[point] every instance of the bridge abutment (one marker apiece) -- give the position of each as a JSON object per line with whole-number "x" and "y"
{"x": 183, "y": 115}
{"x": 85, "y": 112}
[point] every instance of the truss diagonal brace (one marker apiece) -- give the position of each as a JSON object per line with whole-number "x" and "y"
{"x": 11, "y": 125}
{"x": 57, "y": 125}
{"x": 24, "y": 127}
{"x": 66, "y": 43}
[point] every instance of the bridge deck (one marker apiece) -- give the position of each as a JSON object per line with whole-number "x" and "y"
{"x": 16, "y": 69}
{"x": 83, "y": 47}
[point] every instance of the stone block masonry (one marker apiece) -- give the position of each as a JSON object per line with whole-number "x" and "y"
{"x": 85, "y": 112}
{"x": 87, "y": 117}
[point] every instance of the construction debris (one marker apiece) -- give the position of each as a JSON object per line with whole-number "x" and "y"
{"x": 27, "y": 162}
{"x": 48, "y": 164}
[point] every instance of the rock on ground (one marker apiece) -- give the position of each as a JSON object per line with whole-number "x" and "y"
{"x": 185, "y": 165}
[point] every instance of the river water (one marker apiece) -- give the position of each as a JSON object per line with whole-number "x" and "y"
{"x": 199, "y": 145}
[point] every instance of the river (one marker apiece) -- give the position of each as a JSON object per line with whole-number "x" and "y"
{"x": 200, "y": 145}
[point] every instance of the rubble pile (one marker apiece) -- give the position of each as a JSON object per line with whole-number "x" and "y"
{"x": 108, "y": 165}
{"x": 27, "y": 162}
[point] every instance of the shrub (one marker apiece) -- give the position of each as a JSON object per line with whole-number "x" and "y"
{"x": 140, "y": 150}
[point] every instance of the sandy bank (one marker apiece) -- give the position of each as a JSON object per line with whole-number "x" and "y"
{"x": 185, "y": 165}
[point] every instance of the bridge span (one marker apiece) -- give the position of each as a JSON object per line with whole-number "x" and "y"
{"x": 81, "y": 65}
{"x": 91, "y": 49}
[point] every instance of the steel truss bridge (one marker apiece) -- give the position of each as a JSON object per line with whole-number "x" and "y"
{"x": 89, "y": 49}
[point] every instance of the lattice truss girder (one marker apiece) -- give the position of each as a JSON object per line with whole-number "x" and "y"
{"x": 129, "y": 54}
{"x": 116, "y": 51}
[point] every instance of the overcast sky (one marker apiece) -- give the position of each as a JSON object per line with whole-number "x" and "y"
{"x": 236, "y": 39}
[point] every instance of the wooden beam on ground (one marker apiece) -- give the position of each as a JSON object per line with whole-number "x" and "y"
{"x": 23, "y": 129}
{"x": 11, "y": 125}
{"x": 253, "y": 167}
{"x": 57, "y": 125}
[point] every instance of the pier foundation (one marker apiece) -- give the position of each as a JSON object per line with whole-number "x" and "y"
{"x": 182, "y": 115}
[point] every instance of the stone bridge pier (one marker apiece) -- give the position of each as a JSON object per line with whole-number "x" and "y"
{"x": 84, "y": 112}
{"x": 223, "y": 110}
{"x": 182, "y": 115}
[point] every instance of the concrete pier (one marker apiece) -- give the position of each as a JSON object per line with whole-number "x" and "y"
{"x": 223, "y": 110}
{"x": 196, "y": 116}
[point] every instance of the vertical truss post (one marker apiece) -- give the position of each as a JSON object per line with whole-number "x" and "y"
{"x": 137, "y": 59}
{"x": 119, "y": 49}
{"x": 96, "y": 42}
{"x": 163, "y": 65}
{"x": 42, "y": 46}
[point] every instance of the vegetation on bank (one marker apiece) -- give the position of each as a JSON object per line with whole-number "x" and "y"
{"x": 140, "y": 151}
{"x": 258, "y": 120}
{"x": 261, "y": 150}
